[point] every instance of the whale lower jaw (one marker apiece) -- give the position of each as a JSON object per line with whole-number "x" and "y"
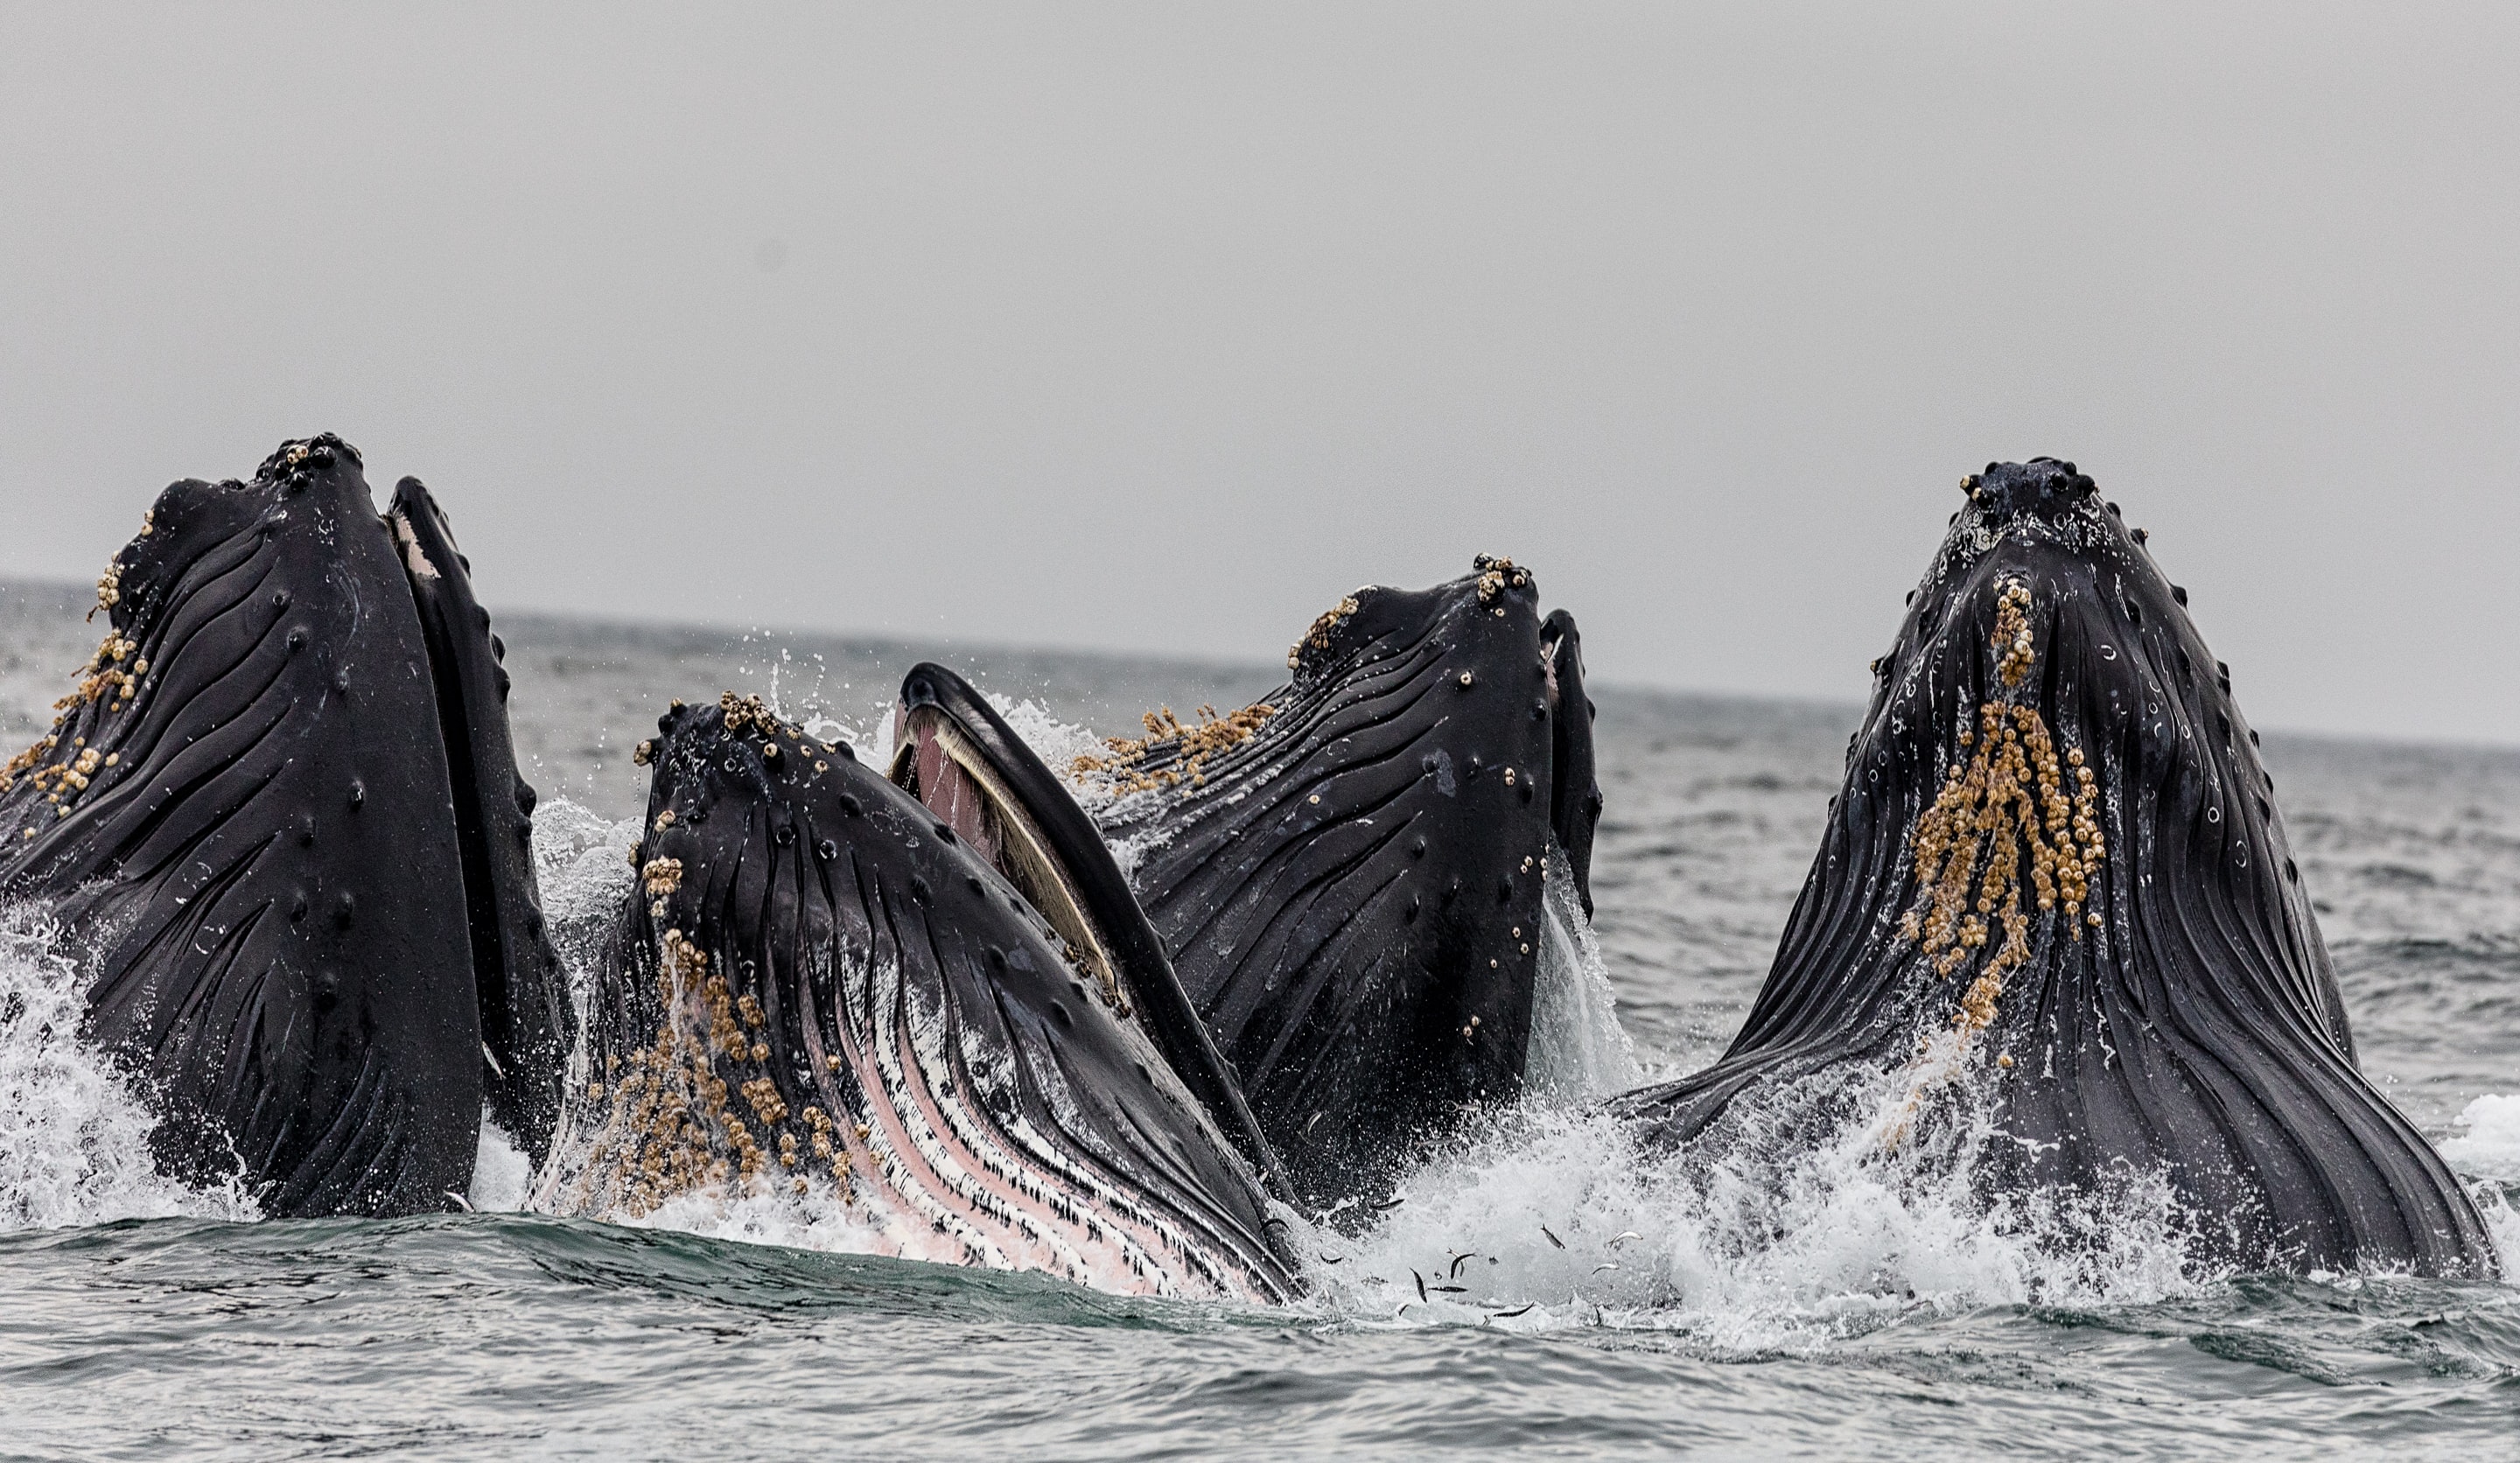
{"x": 902, "y": 1143}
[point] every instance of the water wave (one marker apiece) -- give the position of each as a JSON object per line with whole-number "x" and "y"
{"x": 73, "y": 1137}
{"x": 1544, "y": 1215}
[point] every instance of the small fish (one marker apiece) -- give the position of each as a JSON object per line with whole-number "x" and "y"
{"x": 1456, "y": 1261}
{"x": 1450, "y": 1290}
{"x": 1506, "y": 1315}
{"x": 1598, "y": 1268}
{"x": 1394, "y": 1202}
{"x": 1552, "y": 1239}
{"x": 1308, "y": 1124}
{"x": 1329, "y": 1259}
{"x": 1422, "y": 1284}
{"x": 1375, "y": 1280}
{"x": 1624, "y": 1238}
{"x": 460, "y": 1201}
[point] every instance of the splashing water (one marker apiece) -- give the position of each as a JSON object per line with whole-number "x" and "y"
{"x": 1579, "y": 1051}
{"x": 1739, "y": 1321}
{"x": 1058, "y": 743}
{"x": 2488, "y": 1143}
{"x": 502, "y": 1175}
{"x": 582, "y": 863}
{"x": 818, "y": 1219}
{"x": 73, "y": 1137}
{"x": 2486, "y": 1150}
{"x": 1757, "y": 1240}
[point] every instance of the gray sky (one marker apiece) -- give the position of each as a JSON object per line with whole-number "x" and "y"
{"x": 1160, "y": 327}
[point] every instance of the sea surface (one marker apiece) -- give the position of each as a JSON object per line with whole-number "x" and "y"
{"x": 1607, "y": 1308}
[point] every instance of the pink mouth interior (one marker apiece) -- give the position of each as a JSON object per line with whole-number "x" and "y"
{"x": 944, "y": 788}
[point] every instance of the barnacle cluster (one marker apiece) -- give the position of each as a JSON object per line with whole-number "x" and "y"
{"x": 2012, "y": 634}
{"x": 1496, "y": 573}
{"x": 743, "y": 711}
{"x": 661, "y": 876}
{"x": 60, "y": 782}
{"x": 31, "y": 756}
{"x": 672, "y": 1126}
{"x": 1190, "y": 744}
{"x": 105, "y": 674}
{"x": 104, "y": 680}
{"x": 108, "y": 585}
{"x": 2016, "y": 800}
{"x": 746, "y": 713}
{"x": 1318, "y": 636}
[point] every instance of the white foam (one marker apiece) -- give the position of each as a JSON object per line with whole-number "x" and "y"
{"x": 2489, "y": 1146}
{"x": 582, "y": 863}
{"x": 73, "y": 1137}
{"x": 502, "y": 1175}
{"x": 1058, "y": 743}
{"x": 2503, "y": 1223}
{"x": 1762, "y": 1243}
{"x": 818, "y": 1219}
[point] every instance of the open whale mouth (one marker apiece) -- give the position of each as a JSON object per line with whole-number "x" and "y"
{"x": 824, "y": 985}
{"x": 962, "y": 762}
{"x": 937, "y": 761}
{"x": 2054, "y": 894}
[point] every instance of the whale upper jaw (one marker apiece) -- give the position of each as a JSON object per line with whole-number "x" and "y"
{"x": 820, "y": 985}
{"x": 2055, "y": 889}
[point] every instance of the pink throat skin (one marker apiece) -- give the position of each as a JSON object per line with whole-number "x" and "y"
{"x": 944, "y": 787}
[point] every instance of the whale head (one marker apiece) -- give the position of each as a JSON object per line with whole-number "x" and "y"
{"x": 2055, "y": 890}
{"x": 280, "y": 818}
{"x": 821, "y": 985}
{"x": 1349, "y": 874}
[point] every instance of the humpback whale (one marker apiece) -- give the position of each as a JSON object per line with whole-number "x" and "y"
{"x": 280, "y": 820}
{"x": 822, "y": 984}
{"x": 2054, "y": 892}
{"x": 1347, "y": 875}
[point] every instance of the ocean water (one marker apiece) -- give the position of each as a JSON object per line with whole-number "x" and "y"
{"x": 1578, "y": 1301}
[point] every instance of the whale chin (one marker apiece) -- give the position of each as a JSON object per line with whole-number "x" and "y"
{"x": 2055, "y": 896}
